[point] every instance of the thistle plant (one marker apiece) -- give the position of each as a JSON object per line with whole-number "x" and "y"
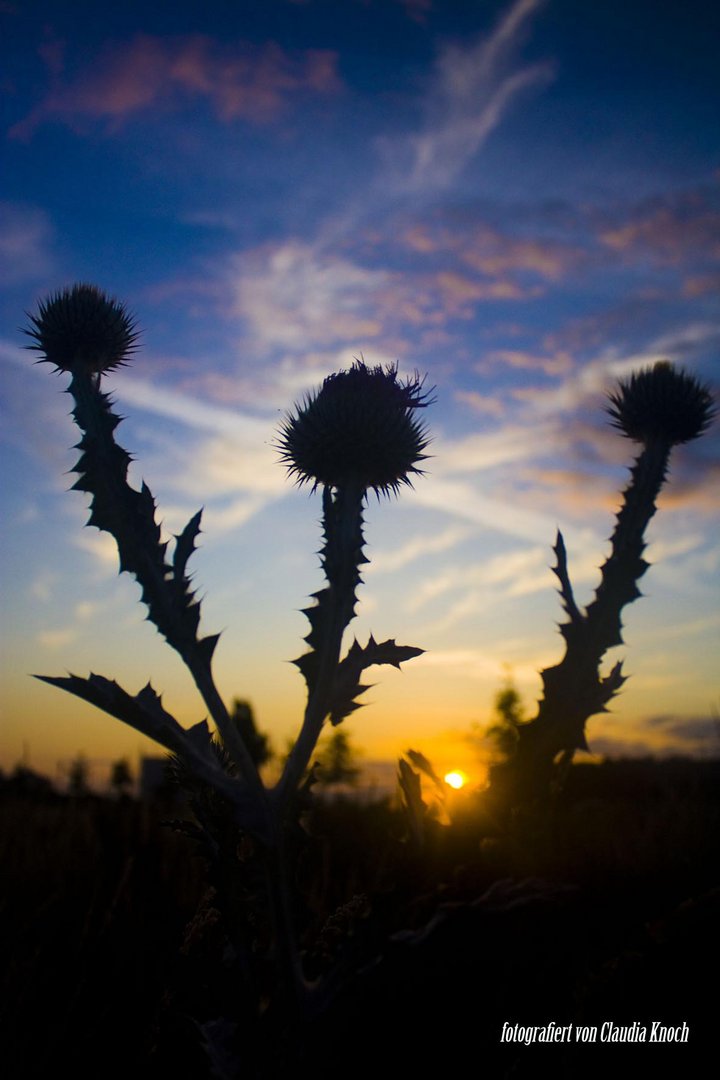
{"x": 359, "y": 434}
{"x": 658, "y": 407}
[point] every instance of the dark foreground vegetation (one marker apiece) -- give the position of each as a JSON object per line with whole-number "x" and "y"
{"x": 115, "y": 955}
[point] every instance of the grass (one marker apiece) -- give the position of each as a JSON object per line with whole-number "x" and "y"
{"x": 605, "y": 911}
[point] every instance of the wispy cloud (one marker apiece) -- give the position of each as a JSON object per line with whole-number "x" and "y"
{"x": 461, "y": 500}
{"x": 228, "y": 459}
{"x": 26, "y": 237}
{"x": 482, "y": 664}
{"x": 386, "y": 562}
{"x": 239, "y": 81}
{"x": 56, "y": 639}
{"x": 101, "y": 546}
{"x": 43, "y": 586}
{"x": 203, "y": 416}
{"x": 516, "y": 573}
{"x": 294, "y": 296}
{"x": 494, "y": 252}
{"x": 472, "y": 87}
{"x": 486, "y": 450}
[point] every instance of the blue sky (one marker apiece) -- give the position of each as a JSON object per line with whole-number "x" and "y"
{"x": 521, "y": 200}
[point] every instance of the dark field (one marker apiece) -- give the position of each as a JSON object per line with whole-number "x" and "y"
{"x": 113, "y": 954}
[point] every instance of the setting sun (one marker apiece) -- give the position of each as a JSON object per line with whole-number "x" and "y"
{"x": 455, "y": 779}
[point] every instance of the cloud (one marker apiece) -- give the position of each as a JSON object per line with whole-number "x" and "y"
{"x": 480, "y": 663}
{"x": 676, "y": 229}
{"x": 86, "y": 610}
{"x": 294, "y": 296}
{"x": 701, "y": 285}
{"x": 457, "y": 294}
{"x": 26, "y": 237}
{"x": 386, "y": 562}
{"x": 472, "y": 87}
{"x": 56, "y": 639}
{"x": 492, "y": 251}
{"x": 101, "y": 546}
{"x": 485, "y": 404}
{"x": 580, "y": 492}
{"x": 190, "y": 410}
{"x": 693, "y": 489}
{"x": 559, "y": 363}
{"x": 584, "y": 387}
{"x": 517, "y": 572}
{"x": 231, "y": 456}
{"x": 43, "y": 586}
{"x": 665, "y": 736}
{"x": 239, "y": 81}
{"x": 461, "y": 500}
{"x": 487, "y": 450}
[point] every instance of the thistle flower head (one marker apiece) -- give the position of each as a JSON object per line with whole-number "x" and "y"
{"x": 358, "y": 428}
{"x": 661, "y": 404}
{"x": 83, "y": 329}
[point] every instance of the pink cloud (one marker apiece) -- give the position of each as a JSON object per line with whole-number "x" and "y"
{"x": 458, "y": 293}
{"x": 578, "y": 494}
{"x": 494, "y": 253}
{"x": 481, "y": 403}
{"x": 671, "y": 233}
{"x": 696, "y": 489}
{"x": 559, "y": 363}
{"x": 239, "y": 81}
{"x": 702, "y": 285}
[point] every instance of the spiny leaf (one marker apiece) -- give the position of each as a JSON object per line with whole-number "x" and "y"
{"x": 561, "y": 572}
{"x": 347, "y": 686}
{"x": 413, "y": 804}
{"x": 145, "y": 712}
{"x": 421, "y": 762}
{"x": 185, "y": 545}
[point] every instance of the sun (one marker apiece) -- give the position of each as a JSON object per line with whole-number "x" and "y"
{"x": 455, "y": 779}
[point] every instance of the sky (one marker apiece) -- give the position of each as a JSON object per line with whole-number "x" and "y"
{"x": 518, "y": 200}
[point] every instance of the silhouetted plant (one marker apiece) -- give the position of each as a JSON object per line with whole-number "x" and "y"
{"x": 337, "y": 761}
{"x": 78, "y": 777}
{"x": 258, "y": 744}
{"x": 421, "y": 817}
{"x": 358, "y": 434}
{"x": 509, "y": 715}
{"x": 121, "y": 778}
{"x": 658, "y": 407}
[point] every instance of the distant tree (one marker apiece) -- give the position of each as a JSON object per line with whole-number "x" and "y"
{"x": 121, "y": 778}
{"x": 78, "y": 774}
{"x": 258, "y": 745}
{"x": 509, "y": 715}
{"x": 338, "y": 761}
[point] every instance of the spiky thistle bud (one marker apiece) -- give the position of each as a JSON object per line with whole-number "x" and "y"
{"x": 359, "y": 429}
{"x": 83, "y": 329}
{"x": 661, "y": 404}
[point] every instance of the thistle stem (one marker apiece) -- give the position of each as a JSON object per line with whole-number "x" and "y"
{"x": 286, "y": 948}
{"x": 343, "y": 553}
{"x": 625, "y": 565}
{"x": 574, "y": 689}
{"x": 231, "y": 738}
{"x": 128, "y": 515}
